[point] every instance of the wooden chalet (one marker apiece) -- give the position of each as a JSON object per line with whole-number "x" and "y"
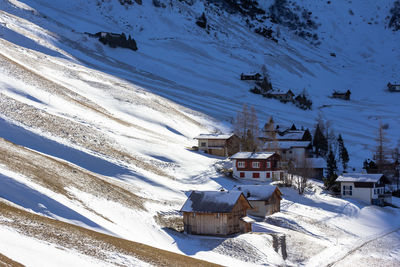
{"x": 341, "y": 95}
{"x": 216, "y": 213}
{"x": 257, "y": 166}
{"x": 254, "y": 77}
{"x": 265, "y": 199}
{"x": 287, "y": 97}
{"x": 116, "y": 40}
{"x": 366, "y": 187}
{"x": 223, "y": 145}
{"x": 393, "y": 87}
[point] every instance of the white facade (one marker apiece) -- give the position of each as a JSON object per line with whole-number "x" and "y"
{"x": 348, "y": 190}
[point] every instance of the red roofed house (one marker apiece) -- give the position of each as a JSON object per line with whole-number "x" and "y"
{"x": 260, "y": 166}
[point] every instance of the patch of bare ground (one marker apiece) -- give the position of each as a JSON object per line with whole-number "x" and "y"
{"x": 7, "y": 262}
{"x": 20, "y": 72}
{"x": 118, "y": 89}
{"x": 73, "y": 132}
{"x": 57, "y": 175}
{"x": 170, "y": 221}
{"x": 89, "y": 242}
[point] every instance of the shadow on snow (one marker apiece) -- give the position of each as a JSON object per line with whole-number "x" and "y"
{"x": 29, "y": 198}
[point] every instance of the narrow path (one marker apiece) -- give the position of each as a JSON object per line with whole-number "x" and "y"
{"x": 350, "y": 252}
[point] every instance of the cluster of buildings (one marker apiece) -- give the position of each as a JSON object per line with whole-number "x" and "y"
{"x": 229, "y": 212}
{"x": 279, "y": 149}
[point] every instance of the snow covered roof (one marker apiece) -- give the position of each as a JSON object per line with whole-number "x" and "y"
{"x": 290, "y": 144}
{"x": 247, "y": 219}
{"x": 211, "y": 201}
{"x": 359, "y": 177}
{"x": 256, "y": 192}
{"x": 214, "y": 136}
{"x": 317, "y": 163}
{"x": 252, "y": 155}
{"x": 291, "y": 135}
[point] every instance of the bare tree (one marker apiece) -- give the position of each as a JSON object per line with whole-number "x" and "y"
{"x": 302, "y": 172}
{"x": 289, "y": 170}
{"x": 247, "y": 128}
{"x": 382, "y": 153}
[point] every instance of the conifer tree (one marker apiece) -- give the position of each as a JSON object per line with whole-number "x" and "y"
{"x": 343, "y": 154}
{"x": 307, "y": 135}
{"x": 320, "y": 142}
{"x": 331, "y": 175}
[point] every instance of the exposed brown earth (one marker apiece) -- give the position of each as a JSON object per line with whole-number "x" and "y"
{"x": 88, "y": 242}
{"x": 7, "y": 262}
{"x": 57, "y": 175}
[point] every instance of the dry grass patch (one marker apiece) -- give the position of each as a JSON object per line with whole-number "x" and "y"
{"x": 174, "y": 222}
{"x": 75, "y": 133}
{"x": 58, "y": 175}
{"x": 7, "y": 262}
{"x": 89, "y": 242}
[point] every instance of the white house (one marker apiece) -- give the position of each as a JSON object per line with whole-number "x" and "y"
{"x": 257, "y": 166}
{"x": 366, "y": 187}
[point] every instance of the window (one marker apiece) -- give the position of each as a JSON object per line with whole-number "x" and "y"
{"x": 241, "y": 164}
{"x": 256, "y": 164}
{"x": 268, "y": 175}
{"x": 202, "y": 144}
{"x": 194, "y": 214}
{"x": 242, "y": 175}
{"x": 256, "y": 175}
{"x": 347, "y": 190}
{"x": 268, "y": 164}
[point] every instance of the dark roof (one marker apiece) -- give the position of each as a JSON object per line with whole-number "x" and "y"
{"x": 257, "y": 192}
{"x": 212, "y": 201}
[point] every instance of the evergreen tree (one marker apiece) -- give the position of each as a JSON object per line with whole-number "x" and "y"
{"x": 320, "y": 142}
{"x": 331, "y": 176}
{"x": 343, "y": 154}
{"x": 307, "y": 135}
{"x": 293, "y": 128}
{"x": 370, "y": 166}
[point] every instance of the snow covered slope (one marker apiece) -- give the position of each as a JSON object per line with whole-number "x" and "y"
{"x": 98, "y": 137}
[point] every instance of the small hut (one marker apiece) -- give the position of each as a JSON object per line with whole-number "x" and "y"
{"x": 247, "y": 77}
{"x": 341, "y": 95}
{"x": 393, "y": 87}
{"x": 216, "y": 213}
{"x": 265, "y": 199}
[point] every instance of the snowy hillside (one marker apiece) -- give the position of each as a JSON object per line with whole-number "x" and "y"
{"x": 97, "y": 137}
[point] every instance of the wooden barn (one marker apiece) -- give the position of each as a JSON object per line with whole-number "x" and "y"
{"x": 254, "y": 77}
{"x": 287, "y": 97}
{"x": 393, "y": 87}
{"x": 265, "y": 199}
{"x": 341, "y": 95}
{"x": 216, "y": 213}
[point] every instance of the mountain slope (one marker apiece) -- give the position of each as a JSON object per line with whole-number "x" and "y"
{"x": 98, "y": 137}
